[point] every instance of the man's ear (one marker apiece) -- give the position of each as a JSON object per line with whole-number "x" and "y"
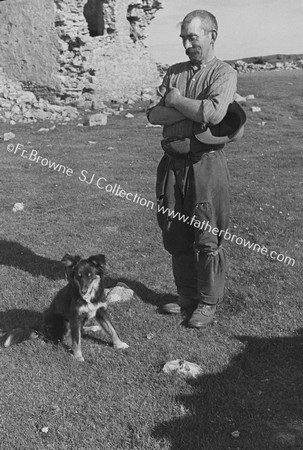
{"x": 214, "y": 35}
{"x": 98, "y": 261}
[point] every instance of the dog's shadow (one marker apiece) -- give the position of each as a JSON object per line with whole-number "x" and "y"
{"x": 16, "y": 255}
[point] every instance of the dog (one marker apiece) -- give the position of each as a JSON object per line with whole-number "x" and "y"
{"x": 83, "y": 298}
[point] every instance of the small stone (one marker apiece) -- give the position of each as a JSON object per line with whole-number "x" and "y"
{"x": 119, "y": 293}
{"x": 95, "y": 120}
{"x": 129, "y": 116}
{"x": 279, "y": 65}
{"x": 255, "y": 109}
{"x": 26, "y": 97}
{"x": 42, "y": 115}
{"x": 184, "y": 367}
{"x": 18, "y": 207}
{"x": 8, "y": 136}
{"x": 15, "y": 109}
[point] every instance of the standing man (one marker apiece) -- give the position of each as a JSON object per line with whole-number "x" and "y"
{"x": 192, "y": 177}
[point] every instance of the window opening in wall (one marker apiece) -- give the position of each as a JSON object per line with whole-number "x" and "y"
{"x": 94, "y": 15}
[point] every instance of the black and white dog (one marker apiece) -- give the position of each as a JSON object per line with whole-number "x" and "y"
{"x": 81, "y": 299}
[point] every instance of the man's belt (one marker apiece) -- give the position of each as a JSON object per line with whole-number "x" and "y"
{"x": 176, "y": 147}
{"x": 180, "y": 148}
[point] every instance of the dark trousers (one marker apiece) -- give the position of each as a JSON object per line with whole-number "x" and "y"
{"x": 196, "y": 191}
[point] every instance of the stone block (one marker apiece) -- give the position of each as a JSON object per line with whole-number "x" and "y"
{"x": 93, "y": 120}
{"x": 26, "y": 97}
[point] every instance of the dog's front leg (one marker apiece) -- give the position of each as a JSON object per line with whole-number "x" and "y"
{"x": 75, "y": 328}
{"x": 103, "y": 319}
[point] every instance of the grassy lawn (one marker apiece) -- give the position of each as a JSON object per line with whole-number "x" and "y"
{"x": 252, "y": 354}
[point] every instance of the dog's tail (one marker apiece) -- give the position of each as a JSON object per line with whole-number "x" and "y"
{"x": 18, "y": 335}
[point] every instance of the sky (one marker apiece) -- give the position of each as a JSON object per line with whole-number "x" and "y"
{"x": 246, "y": 28}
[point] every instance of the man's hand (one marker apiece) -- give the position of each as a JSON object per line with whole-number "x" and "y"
{"x": 172, "y": 97}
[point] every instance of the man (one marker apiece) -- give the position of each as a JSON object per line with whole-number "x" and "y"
{"x": 192, "y": 177}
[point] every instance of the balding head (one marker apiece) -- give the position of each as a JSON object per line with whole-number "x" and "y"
{"x": 208, "y": 20}
{"x": 198, "y": 34}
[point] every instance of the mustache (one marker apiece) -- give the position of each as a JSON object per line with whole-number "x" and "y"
{"x": 194, "y": 52}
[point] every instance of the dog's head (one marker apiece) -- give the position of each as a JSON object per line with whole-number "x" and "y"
{"x": 86, "y": 274}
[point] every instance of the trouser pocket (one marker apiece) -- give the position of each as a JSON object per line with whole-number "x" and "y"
{"x": 204, "y": 227}
{"x": 161, "y": 212}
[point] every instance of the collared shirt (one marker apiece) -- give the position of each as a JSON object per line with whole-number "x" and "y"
{"x": 214, "y": 83}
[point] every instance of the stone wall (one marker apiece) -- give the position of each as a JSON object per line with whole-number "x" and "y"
{"x": 89, "y": 50}
{"x": 29, "y": 41}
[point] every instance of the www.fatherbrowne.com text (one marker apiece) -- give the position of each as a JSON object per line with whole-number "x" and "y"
{"x": 227, "y": 235}
{"x": 116, "y": 190}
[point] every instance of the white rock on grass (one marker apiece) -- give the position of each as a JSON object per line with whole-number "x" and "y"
{"x": 183, "y": 367}
{"x": 18, "y": 207}
{"x": 93, "y": 120}
{"x": 256, "y": 109}
{"x": 8, "y": 136}
{"x": 119, "y": 293}
{"x": 42, "y": 129}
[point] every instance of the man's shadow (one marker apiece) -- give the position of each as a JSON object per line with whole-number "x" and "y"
{"x": 256, "y": 402}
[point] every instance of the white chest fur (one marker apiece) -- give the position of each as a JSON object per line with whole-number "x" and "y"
{"x": 90, "y": 309}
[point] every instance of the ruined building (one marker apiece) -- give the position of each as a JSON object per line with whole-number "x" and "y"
{"x": 84, "y": 49}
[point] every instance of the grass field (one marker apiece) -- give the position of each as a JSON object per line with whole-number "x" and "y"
{"x": 251, "y": 356}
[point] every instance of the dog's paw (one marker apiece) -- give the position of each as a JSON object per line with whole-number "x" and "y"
{"x": 121, "y": 345}
{"x": 78, "y": 358}
{"x": 92, "y": 328}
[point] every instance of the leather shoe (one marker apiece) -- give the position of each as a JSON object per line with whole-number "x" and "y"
{"x": 202, "y": 316}
{"x": 185, "y": 306}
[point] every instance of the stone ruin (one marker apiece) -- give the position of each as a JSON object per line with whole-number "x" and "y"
{"x": 259, "y": 66}
{"x": 74, "y": 52}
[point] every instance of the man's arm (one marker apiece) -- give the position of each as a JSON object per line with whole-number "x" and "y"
{"x": 175, "y": 123}
{"x": 160, "y": 114}
{"x": 188, "y": 107}
{"x": 163, "y": 115}
{"x": 210, "y": 110}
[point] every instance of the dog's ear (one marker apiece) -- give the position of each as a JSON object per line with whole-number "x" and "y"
{"x": 70, "y": 261}
{"x": 98, "y": 261}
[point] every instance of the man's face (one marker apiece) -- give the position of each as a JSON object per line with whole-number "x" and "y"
{"x": 196, "y": 41}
